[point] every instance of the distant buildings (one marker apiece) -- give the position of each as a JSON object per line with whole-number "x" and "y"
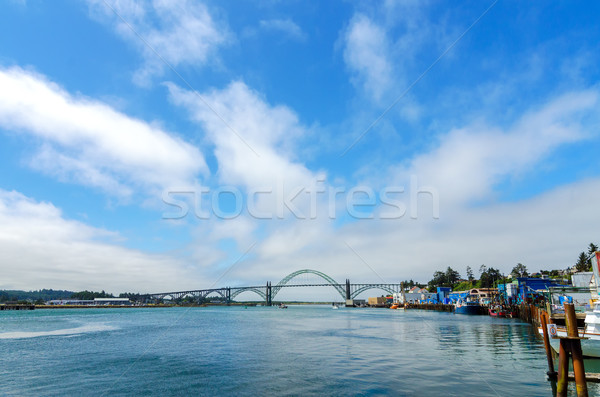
{"x": 95, "y": 302}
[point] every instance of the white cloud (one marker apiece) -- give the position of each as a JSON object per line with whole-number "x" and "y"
{"x": 465, "y": 166}
{"x": 88, "y": 142}
{"x": 470, "y": 161}
{"x": 545, "y": 231}
{"x": 273, "y": 133}
{"x": 260, "y": 152}
{"x": 180, "y": 32}
{"x": 42, "y": 249}
{"x": 367, "y": 54}
{"x": 286, "y": 26}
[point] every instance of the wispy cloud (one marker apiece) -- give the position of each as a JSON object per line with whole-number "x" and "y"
{"x": 182, "y": 32}
{"x": 272, "y": 130}
{"x": 87, "y": 142}
{"x": 42, "y": 249}
{"x": 286, "y": 26}
{"x": 470, "y": 161}
{"x": 367, "y": 54}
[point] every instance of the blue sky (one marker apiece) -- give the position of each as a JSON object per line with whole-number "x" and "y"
{"x": 109, "y": 107}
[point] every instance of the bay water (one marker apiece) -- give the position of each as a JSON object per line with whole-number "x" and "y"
{"x": 303, "y": 350}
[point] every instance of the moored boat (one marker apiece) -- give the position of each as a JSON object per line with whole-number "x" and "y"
{"x": 589, "y": 347}
{"x": 467, "y": 306}
{"x": 497, "y": 311}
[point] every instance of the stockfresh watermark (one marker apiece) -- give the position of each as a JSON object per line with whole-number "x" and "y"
{"x": 283, "y": 201}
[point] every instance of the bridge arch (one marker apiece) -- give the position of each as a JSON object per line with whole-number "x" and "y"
{"x": 325, "y": 277}
{"x": 260, "y": 293}
{"x": 362, "y": 289}
{"x": 214, "y": 291}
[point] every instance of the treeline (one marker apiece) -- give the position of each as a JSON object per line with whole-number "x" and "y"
{"x": 90, "y": 295}
{"x": 33, "y": 296}
{"x": 488, "y": 278}
{"x": 44, "y": 295}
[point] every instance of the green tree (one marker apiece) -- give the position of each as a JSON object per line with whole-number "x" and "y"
{"x": 582, "y": 264}
{"x": 438, "y": 280}
{"x": 465, "y": 285}
{"x": 90, "y": 295}
{"x": 482, "y": 269}
{"x": 470, "y": 274}
{"x": 452, "y": 276}
{"x": 592, "y": 248}
{"x": 520, "y": 270}
{"x": 489, "y": 278}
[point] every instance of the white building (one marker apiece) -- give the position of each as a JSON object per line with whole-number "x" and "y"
{"x": 413, "y": 297}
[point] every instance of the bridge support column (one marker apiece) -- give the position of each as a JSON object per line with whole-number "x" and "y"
{"x": 269, "y": 301}
{"x": 347, "y": 289}
{"x": 228, "y": 295}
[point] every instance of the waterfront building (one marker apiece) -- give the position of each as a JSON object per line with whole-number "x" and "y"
{"x": 87, "y": 302}
{"x": 530, "y": 286}
{"x": 582, "y": 279}
{"x": 112, "y": 301}
{"x": 420, "y": 295}
{"x": 443, "y": 294}
{"x": 75, "y": 302}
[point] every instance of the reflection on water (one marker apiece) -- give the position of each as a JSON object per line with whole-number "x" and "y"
{"x": 256, "y": 351}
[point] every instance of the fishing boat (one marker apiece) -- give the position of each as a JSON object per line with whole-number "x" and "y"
{"x": 282, "y": 306}
{"x": 334, "y": 306}
{"x": 467, "y": 306}
{"x": 497, "y": 311}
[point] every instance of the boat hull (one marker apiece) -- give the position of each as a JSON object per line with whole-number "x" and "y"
{"x": 589, "y": 347}
{"x": 467, "y": 309}
{"x": 497, "y": 313}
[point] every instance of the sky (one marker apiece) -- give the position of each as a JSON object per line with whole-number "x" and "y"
{"x": 172, "y": 145}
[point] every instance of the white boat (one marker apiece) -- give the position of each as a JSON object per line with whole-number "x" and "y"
{"x": 590, "y": 347}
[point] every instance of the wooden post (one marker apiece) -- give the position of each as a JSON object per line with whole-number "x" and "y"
{"x": 571, "y": 320}
{"x": 575, "y": 347}
{"x": 551, "y": 373}
{"x": 563, "y": 370}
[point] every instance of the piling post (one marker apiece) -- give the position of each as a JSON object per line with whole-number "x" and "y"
{"x": 563, "y": 369}
{"x": 544, "y": 320}
{"x": 576, "y": 353}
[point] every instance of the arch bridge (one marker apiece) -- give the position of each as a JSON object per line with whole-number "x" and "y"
{"x": 268, "y": 292}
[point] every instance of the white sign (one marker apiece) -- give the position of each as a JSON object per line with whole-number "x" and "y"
{"x": 552, "y": 332}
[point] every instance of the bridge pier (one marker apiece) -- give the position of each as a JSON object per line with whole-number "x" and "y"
{"x": 347, "y": 289}
{"x": 228, "y": 295}
{"x": 269, "y": 301}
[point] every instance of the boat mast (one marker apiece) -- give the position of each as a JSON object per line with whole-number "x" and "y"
{"x": 596, "y": 268}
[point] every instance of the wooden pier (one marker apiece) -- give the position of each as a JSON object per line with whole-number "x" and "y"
{"x": 440, "y": 307}
{"x": 16, "y": 307}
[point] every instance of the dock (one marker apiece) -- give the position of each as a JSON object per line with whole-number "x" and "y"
{"x": 589, "y": 377}
{"x": 17, "y": 307}
{"x": 430, "y": 306}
